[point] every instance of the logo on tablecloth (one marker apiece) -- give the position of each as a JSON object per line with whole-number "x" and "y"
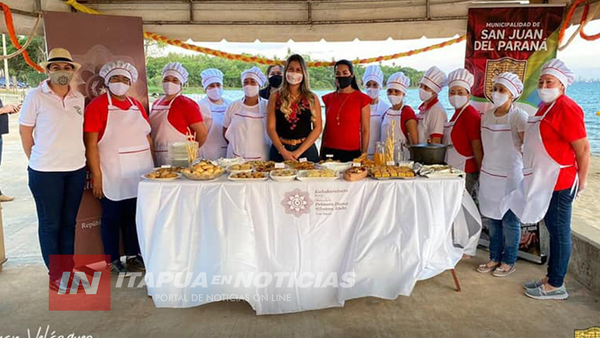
{"x": 297, "y": 202}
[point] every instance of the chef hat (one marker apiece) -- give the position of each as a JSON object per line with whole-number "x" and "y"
{"x": 434, "y": 78}
{"x": 118, "y": 68}
{"x": 210, "y": 76}
{"x": 461, "y": 78}
{"x": 373, "y": 73}
{"x": 398, "y": 81}
{"x": 256, "y": 74}
{"x": 177, "y": 70}
{"x": 559, "y": 70}
{"x": 511, "y": 81}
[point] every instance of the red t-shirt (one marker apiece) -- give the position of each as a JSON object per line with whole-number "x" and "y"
{"x": 466, "y": 129}
{"x": 183, "y": 113}
{"x": 346, "y": 134}
{"x": 563, "y": 125}
{"x": 96, "y": 113}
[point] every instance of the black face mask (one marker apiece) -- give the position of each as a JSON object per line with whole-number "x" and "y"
{"x": 275, "y": 81}
{"x": 344, "y": 81}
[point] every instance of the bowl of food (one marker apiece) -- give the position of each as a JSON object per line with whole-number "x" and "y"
{"x": 318, "y": 175}
{"x": 162, "y": 174}
{"x": 240, "y": 168}
{"x": 248, "y": 176}
{"x": 283, "y": 175}
{"x": 203, "y": 171}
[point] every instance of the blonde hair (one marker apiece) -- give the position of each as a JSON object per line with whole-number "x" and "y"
{"x": 305, "y": 92}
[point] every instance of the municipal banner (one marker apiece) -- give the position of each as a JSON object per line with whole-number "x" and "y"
{"x": 519, "y": 39}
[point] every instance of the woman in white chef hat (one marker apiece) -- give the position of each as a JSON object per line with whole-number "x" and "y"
{"x": 405, "y": 131}
{"x": 556, "y": 160}
{"x": 213, "y": 108}
{"x": 173, "y": 115}
{"x": 463, "y": 133}
{"x": 432, "y": 115}
{"x": 373, "y": 82}
{"x": 244, "y": 125}
{"x": 118, "y": 151}
{"x": 501, "y": 175}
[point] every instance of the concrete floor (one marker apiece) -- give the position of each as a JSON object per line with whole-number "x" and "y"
{"x": 487, "y": 307}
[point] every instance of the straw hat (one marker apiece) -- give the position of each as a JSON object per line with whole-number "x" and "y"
{"x": 60, "y": 55}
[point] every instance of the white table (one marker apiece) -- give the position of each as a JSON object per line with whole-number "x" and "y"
{"x": 383, "y": 235}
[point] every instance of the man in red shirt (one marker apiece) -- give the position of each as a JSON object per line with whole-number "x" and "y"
{"x": 556, "y": 159}
{"x": 118, "y": 151}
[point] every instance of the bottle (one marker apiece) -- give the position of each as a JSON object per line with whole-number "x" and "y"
{"x": 379, "y": 157}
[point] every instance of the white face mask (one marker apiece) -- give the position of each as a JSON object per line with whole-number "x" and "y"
{"x": 294, "y": 78}
{"x": 548, "y": 95}
{"x": 499, "y": 99}
{"x": 251, "y": 91}
{"x": 118, "y": 88}
{"x": 214, "y": 93}
{"x": 458, "y": 101}
{"x": 373, "y": 92}
{"x": 424, "y": 95}
{"x": 171, "y": 88}
{"x": 395, "y": 99}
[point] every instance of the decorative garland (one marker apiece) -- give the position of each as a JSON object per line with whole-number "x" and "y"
{"x": 13, "y": 37}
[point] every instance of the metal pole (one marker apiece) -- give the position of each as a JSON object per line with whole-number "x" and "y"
{"x": 6, "y": 78}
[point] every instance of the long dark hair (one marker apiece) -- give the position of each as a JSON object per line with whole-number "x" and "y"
{"x": 269, "y": 70}
{"x": 353, "y": 84}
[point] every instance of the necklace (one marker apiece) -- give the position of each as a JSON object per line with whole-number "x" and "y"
{"x": 341, "y": 106}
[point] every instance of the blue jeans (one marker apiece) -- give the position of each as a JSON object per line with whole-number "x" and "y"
{"x": 311, "y": 153}
{"x": 118, "y": 218}
{"x": 505, "y": 235}
{"x": 558, "y": 223}
{"x": 57, "y": 197}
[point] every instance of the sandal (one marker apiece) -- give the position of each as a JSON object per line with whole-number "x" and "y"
{"x": 499, "y": 272}
{"x": 485, "y": 268}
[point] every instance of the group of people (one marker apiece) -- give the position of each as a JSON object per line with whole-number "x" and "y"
{"x": 527, "y": 168}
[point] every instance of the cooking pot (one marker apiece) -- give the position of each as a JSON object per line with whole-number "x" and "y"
{"x": 428, "y": 153}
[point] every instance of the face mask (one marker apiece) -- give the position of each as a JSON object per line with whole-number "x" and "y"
{"x": 499, "y": 99}
{"x": 61, "y": 77}
{"x": 275, "y": 81}
{"x": 215, "y": 93}
{"x": 251, "y": 91}
{"x": 171, "y": 88}
{"x": 548, "y": 95}
{"x": 395, "y": 99}
{"x": 373, "y": 92}
{"x": 118, "y": 88}
{"x": 424, "y": 95}
{"x": 458, "y": 101}
{"x": 294, "y": 78}
{"x": 344, "y": 81}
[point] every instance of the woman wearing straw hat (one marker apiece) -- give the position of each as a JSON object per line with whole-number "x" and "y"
{"x": 119, "y": 152}
{"x": 174, "y": 116}
{"x": 51, "y": 128}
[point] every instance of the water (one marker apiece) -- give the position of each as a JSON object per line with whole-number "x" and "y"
{"x": 587, "y": 95}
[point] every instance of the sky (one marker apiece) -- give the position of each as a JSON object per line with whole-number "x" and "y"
{"x": 583, "y": 57}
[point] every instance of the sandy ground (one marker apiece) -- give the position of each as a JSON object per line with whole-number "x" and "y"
{"x": 585, "y": 208}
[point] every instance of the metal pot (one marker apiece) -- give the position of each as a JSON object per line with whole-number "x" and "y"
{"x": 428, "y": 153}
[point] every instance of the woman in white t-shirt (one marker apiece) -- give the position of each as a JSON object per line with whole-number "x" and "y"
{"x": 51, "y": 128}
{"x": 501, "y": 175}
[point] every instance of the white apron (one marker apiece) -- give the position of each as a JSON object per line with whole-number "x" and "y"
{"x": 247, "y": 134}
{"x": 422, "y": 128}
{"x": 163, "y": 132}
{"x": 540, "y": 172}
{"x": 375, "y": 128}
{"x": 501, "y": 175}
{"x": 215, "y": 146}
{"x": 399, "y": 137}
{"x": 453, "y": 157}
{"x": 124, "y": 152}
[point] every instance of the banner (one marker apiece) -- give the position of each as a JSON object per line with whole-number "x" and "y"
{"x": 94, "y": 40}
{"x": 519, "y": 39}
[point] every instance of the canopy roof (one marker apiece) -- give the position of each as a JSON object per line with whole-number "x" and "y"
{"x": 281, "y": 20}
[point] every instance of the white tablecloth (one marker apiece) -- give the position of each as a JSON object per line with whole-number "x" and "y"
{"x": 382, "y": 235}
